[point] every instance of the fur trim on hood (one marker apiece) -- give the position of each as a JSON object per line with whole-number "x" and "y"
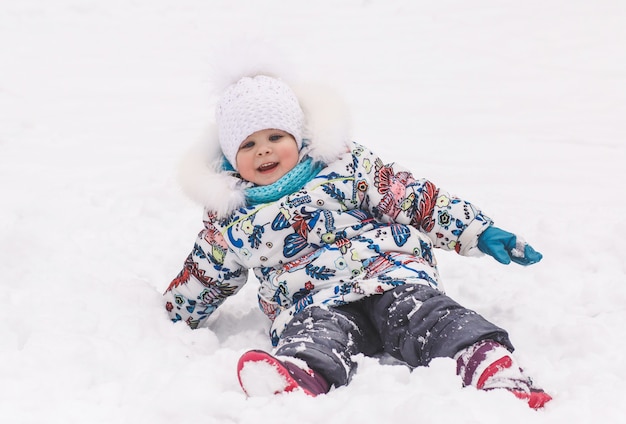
{"x": 327, "y": 127}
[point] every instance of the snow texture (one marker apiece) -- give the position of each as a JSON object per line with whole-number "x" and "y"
{"x": 516, "y": 106}
{"x": 262, "y": 379}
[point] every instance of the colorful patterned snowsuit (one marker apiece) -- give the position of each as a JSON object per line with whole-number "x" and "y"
{"x": 359, "y": 228}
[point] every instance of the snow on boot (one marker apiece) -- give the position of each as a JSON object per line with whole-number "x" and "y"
{"x": 262, "y": 374}
{"x": 488, "y": 365}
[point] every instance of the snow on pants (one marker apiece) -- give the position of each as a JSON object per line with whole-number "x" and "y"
{"x": 413, "y": 323}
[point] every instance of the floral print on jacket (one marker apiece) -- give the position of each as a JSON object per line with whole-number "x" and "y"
{"x": 360, "y": 227}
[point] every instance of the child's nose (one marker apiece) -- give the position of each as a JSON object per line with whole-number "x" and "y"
{"x": 264, "y": 149}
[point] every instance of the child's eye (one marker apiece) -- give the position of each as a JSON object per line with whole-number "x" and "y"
{"x": 275, "y": 137}
{"x": 246, "y": 145}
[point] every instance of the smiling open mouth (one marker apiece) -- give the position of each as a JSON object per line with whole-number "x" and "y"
{"x": 267, "y": 166}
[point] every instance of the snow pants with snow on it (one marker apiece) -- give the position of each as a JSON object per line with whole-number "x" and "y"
{"x": 413, "y": 323}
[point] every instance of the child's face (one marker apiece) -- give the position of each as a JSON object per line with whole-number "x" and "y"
{"x": 267, "y": 155}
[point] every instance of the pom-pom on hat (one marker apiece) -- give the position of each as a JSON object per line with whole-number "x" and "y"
{"x": 253, "y": 104}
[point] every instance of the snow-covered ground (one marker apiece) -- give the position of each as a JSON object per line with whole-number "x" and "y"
{"x": 517, "y": 106}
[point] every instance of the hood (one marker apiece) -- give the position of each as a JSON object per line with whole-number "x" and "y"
{"x": 327, "y": 127}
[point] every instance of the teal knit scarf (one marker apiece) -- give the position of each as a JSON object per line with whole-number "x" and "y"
{"x": 291, "y": 182}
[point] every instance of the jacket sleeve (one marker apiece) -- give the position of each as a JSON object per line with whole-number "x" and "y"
{"x": 211, "y": 273}
{"x": 393, "y": 195}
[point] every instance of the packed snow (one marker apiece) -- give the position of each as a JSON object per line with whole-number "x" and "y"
{"x": 518, "y": 107}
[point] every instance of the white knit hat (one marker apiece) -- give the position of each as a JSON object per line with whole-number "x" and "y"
{"x": 253, "y": 104}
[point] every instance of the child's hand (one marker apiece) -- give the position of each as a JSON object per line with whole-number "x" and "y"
{"x": 506, "y": 247}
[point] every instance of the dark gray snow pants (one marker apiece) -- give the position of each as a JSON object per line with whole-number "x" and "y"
{"x": 413, "y": 323}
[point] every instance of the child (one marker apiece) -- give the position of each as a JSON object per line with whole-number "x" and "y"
{"x": 342, "y": 244}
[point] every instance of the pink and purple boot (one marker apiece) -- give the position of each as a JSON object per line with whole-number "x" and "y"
{"x": 263, "y": 374}
{"x": 488, "y": 365}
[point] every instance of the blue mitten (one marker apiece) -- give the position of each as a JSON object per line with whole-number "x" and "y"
{"x": 506, "y": 247}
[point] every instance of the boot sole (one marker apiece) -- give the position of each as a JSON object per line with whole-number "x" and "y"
{"x": 260, "y": 357}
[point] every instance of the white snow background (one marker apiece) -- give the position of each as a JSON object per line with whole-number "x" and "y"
{"x": 519, "y": 107}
